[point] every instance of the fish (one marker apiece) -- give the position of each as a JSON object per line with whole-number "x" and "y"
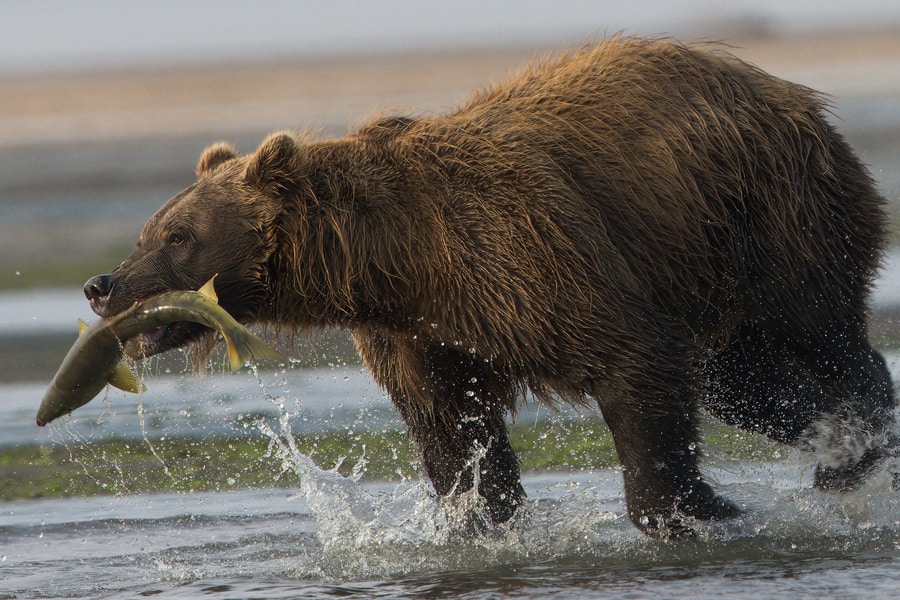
{"x": 97, "y": 359}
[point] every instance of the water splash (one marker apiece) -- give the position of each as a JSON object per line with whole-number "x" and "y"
{"x": 408, "y": 529}
{"x": 368, "y": 532}
{"x": 347, "y": 529}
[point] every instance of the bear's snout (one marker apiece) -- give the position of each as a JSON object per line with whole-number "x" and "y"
{"x": 96, "y": 290}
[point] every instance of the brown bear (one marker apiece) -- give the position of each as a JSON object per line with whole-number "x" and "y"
{"x": 653, "y": 226}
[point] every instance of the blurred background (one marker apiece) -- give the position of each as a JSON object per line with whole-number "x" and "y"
{"x": 105, "y": 106}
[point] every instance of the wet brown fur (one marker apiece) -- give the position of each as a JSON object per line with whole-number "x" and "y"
{"x": 594, "y": 228}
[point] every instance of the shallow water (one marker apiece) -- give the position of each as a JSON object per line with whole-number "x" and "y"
{"x": 336, "y": 537}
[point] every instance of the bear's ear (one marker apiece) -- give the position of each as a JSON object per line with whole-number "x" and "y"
{"x": 214, "y": 156}
{"x": 276, "y": 161}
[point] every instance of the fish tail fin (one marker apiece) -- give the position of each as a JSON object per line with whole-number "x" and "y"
{"x": 123, "y": 378}
{"x": 244, "y": 347}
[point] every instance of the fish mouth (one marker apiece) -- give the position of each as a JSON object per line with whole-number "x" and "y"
{"x": 163, "y": 338}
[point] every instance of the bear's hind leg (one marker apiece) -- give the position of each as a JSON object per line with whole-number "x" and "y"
{"x": 857, "y": 431}
{"x": 833, "y": 396}
{"x": 760, "y": 386}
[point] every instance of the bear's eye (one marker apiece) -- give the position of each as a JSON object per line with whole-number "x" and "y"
{"x": 176, "y": 238}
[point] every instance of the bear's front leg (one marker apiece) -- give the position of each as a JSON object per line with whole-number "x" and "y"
{"x": 656, "y": 440}
{"x": 469, "y": 444}
{"x": 454, "y": 404}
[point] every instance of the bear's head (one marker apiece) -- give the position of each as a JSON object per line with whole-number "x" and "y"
{"x": 227, "y": 223}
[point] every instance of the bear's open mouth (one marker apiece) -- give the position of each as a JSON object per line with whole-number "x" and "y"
{"x": 153, "y": 337}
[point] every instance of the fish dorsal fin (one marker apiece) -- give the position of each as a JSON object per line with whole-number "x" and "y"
{"x": 81, "y": 326}
{"x": 209, "y": 290}
{"x": 123, "y": 378}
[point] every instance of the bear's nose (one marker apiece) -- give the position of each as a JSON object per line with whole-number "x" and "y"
{"x": 96, "y": 290}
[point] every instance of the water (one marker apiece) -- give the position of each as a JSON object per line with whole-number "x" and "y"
{"x": 573, "y": 543}
{"x": 201, "y": 406}
{"x": 334, "y": 537}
